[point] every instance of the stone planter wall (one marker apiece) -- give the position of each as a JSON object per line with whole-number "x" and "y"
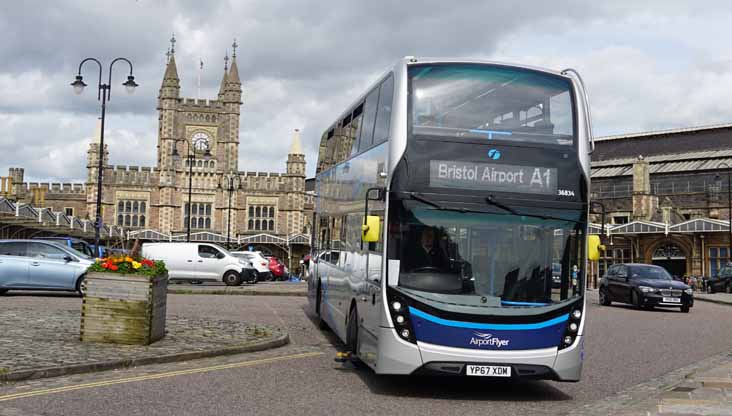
{"x": 123, "y": 309}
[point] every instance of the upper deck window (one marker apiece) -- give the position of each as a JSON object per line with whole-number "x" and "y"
{"x": 491, "y": 102}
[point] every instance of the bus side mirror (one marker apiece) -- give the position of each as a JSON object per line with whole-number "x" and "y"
{"x": 594, "y": 247}
{"x": 370, "y": 230}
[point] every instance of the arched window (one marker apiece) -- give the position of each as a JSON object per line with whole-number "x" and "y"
{"x": 208, "y": 222}
{"x": 142, "y": 207}
{"x": 200, "y": 163}
{"x": 120, "y": 206}
{"x": 258, "y": 211}
{"x": 200, "y": 222}
{"x": 256, "y": 225}
{"x": 142, "y": 220}
{"x": 127, "y": 220}
{"x": 271, "y": 225}
{"x": 251, "y": 211}
{"x": 128, "y": 206}
{"x": 250, "y": 224}
{"x": 195, "y": 209}
{"x": 271, "y": 212}
{"x": 134, "y": 220}
{"x": 208, "y": 209}
{"x": 135, "y": 207}
{"x": 120, "y": 220}
{"x": 213, "y": 164}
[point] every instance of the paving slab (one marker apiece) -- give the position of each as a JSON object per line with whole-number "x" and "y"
{"x": 719, "y": 298}
{"x": 42, "y": 343}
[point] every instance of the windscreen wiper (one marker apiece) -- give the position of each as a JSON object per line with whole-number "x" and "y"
{"x": 420, "y": 198}
{"x": 491, "y": 200}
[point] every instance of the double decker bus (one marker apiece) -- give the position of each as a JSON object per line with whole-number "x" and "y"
{"x": 450, "y": 232}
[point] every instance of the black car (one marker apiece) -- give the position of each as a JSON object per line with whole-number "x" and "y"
{"x": 722, "y": 282}
{"x": 644, "y": 286}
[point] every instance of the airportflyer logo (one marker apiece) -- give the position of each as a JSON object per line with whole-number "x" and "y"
{"x": 482, "y": 339}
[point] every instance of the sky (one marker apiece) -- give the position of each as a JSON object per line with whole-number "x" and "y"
{"x": 648, "y": 65}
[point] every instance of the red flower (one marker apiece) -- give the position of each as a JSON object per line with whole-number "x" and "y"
{"x": 113, "y": 268}
{"x": 105, "y": 265}
{"x": 148, "y": 263}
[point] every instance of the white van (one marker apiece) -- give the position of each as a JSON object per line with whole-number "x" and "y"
{"x": 201, "y": 262}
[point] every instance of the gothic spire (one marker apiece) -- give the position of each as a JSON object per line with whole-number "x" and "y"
{"x": 170, "y": 79}
{"x": 296, "y": 147}
{"x": 234, "y": 71}
{"x": 225, "y": 78}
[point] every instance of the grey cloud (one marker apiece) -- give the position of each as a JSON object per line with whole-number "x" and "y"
{"x": 301, "y": 63}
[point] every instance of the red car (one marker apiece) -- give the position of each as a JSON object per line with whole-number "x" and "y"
{"x": 277, "y": 268}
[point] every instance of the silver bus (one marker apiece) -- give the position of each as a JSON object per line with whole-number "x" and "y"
{"x": 450, "y": 228}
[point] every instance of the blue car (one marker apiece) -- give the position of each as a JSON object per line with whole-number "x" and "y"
{"x": 41, "y": 265}
{"x": 75, "y": 243}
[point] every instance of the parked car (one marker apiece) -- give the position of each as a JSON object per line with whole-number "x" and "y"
{"x": 201, "y": 262}
{"x": 41, "y": 265}
{"x": 277, "y": 267}
{"x": 75, "y": 243}
{"x": 644, "y": 285}
{"x": 722, "y": 282}
{"x": 260, "y": 263}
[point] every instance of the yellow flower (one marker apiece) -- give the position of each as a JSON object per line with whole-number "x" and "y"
{"x": 136, "y": 265}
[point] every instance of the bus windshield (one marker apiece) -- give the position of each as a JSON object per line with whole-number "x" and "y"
{"x": 503, "y": 259}
{"x": 491, "y": 102}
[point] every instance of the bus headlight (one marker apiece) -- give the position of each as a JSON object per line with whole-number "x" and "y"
{"x": 572, "y": 329}
{"x": 399, "y": 312}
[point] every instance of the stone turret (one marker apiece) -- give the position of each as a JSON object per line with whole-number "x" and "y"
{"x": 228, "y": 152}
{"x": 644, "y": 204}
{"x": 296, "y": 157}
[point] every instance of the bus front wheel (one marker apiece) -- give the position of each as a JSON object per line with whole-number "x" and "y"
{"x": 352, "y": 332}
{"x": 319, "y": 307}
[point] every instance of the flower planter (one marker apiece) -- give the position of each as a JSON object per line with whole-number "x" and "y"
{"x": 123, "y": 308}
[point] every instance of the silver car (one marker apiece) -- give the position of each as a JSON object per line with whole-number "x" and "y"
{"x": 41, "y": 265}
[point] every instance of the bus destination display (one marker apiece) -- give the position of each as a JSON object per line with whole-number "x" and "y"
{"x": 493, "y": 177}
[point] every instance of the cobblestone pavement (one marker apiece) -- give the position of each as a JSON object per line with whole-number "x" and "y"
{"x": 722, "y": 298}
{"x": 35, "y": 339}
{"x": 264, "y": 288}
{"x": 703, "y": 388}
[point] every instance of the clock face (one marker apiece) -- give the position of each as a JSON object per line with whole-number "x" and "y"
{"x": 201, "y": 142}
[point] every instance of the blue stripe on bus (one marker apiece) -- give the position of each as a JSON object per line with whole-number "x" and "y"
{"x": 477, "y": 325}
{"x": 506, "y": 302}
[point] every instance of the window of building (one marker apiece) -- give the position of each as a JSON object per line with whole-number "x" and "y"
{"x": 718, "y": 257}
{"x": 261, "y": 218}
{"x": 69, "y": 212}
{"x": 620, "y": 219}
{"x": 613, "y": 256}
{"x": 131, "y": 213}
{"x": 200, "y": 215}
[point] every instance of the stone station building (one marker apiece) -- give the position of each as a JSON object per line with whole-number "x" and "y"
{"x": 666, "y": 197}
{"x": 269, "y": 210}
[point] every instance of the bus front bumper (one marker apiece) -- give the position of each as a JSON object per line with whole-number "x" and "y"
{"x": 400, "y": 357}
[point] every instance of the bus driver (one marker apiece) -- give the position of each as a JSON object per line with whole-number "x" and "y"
{"x": 428, "y": 254}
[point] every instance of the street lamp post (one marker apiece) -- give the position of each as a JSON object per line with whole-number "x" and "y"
{"x": 729, "y": 207}
{"x": 229, "y": 182}
{"x": 191, "y": 158}
{"x": 104, "y": 93}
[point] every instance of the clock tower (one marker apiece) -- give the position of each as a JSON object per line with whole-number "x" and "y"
{"x": 206, "y": 128}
